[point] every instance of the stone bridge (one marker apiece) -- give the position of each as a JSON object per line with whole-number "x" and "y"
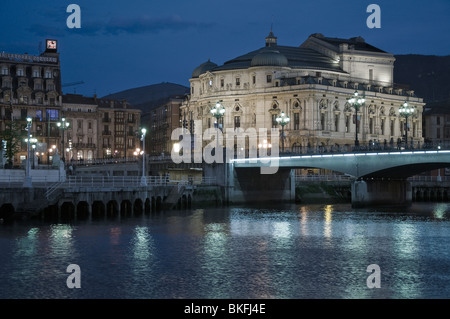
{"x": 378, "y": 178}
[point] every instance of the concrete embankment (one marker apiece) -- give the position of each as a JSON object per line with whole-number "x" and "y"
{"x": 320, "y": 192}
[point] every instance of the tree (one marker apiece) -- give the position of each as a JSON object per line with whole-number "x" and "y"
{"x": 12, "y": 142}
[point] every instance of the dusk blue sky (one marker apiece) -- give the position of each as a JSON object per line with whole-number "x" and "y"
{"x": 126, "y": 44}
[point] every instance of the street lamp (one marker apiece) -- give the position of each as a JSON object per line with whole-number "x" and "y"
{"x": 27, "y": 182}
{"x": 143, "y": 179}
{"x": 282, "y": 119}
{"x": 356, "y": 102}
{"x": 33, "y": 142}
{"x": 63, "y": 125}
{"x": 406, "y": 111}
{"x": 218, "y": 111}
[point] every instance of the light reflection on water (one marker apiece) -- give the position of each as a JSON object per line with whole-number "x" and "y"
{"x": 283, "y": 252}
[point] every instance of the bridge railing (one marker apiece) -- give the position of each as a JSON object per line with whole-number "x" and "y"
{"x": 420, "y": 178}
{"x": 371, "y": 147}
{"x": 322, "y": 178}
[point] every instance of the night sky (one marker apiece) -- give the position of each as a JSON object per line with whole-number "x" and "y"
{"x": 125, "y": 44}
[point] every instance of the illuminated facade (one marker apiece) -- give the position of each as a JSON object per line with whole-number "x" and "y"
{"x": 100, "y": 128}
{"x": 31, "y": 87}
{"x": 311, "y": 84}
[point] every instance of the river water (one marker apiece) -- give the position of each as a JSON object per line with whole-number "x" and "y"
{"x": 280, "y": 252}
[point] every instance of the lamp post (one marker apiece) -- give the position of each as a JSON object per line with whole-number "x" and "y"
{"x": 356, "y": 102}
{"x": 27, "y": 182}
{"x": 406, "y": 111}
{"x": 218, "y": 111}
{"x": 143, "y": 179}
{"x": 63, "y": 125}
{"x": 282, "y": 119}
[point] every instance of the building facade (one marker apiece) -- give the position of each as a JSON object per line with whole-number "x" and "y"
{"x": 436, "y": 123}
{"x": 30, "y": 87}
{"x": 100, "y": 128}
{"x": 311, "y": 84}
{"x": 161, "y": 121}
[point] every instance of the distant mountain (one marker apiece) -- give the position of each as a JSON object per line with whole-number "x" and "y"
{"x": 150, "y": 96}
{"x": 427, "y": 75}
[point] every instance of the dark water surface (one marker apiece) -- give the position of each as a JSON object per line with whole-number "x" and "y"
{"x": 284, "y": 252}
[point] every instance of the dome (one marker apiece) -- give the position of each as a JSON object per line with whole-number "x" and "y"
{"x": 269, "y": 58}
{"x": 202, "y": 68}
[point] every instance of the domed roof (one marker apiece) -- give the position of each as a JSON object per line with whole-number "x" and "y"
{"x": 269, "y": 57}
{"x": 202, "y": 68}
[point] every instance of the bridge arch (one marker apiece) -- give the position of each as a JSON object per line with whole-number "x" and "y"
{"x": 112, "y": 209}
{"x": 147, "y": 206}
{"x": 138, "y": 207}
{"x": 7, "y": 211}
{"x": 125, "y": 208}
{"x": 67, "y": 211}
{"x": 98, "y": 209}
{"x": 83, "y": 210}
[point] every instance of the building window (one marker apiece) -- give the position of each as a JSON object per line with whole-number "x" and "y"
{"x": 382, "y": 126}
{"x": 274, "y": 121}
{"x": 36, "y": 73}
{"x": 19, "y": 72}
{"x": 80, "y": 124}
{"x": 254, "y": 79}
{"x": 269, "y": 78}
{"x": 392, "y": 127}
{"x": 347, "y": 123}
{"x": 238, "y": 81}
{"x": 371, "y": 125}
{"x": 438, "y": 120}
{"x": 5, "y": 70}
{"x": 48, "y": 74}
{"x": 336, "y": 122}
{"x": 296, "y": 121}
{"x": 322, "y": 121}
{"x": 222, "y": 83}
{"x": 370, "y": 74}
{"x": 438, "y": 132}
{"x": 90, "y": 125}
{"x": 237, "y": 121}
{"x": 52, "y": 115}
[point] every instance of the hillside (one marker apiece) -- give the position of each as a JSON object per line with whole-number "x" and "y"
{"x": 427, "y": 75}
{"x": 147, "y": 97}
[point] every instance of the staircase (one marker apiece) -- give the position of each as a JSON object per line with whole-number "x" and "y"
{"x": 172, "y": 199}
{"x": 51, "y": 196}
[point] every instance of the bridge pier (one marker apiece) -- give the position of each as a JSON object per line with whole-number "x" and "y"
{"x": 250, "y": 186}
{"x": 370, "y": 193}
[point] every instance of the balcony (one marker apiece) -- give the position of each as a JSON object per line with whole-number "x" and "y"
{"x": 106, "y": 120}
{"x": 83, "y": 145}
{"x": 106, "y": 133}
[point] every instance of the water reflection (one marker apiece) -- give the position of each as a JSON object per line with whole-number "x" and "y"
{"x": 26, "y": 246}
{"x": 297, "y": 252}
{"x": 61, "y": 242}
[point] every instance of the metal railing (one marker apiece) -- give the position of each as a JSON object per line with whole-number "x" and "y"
{"x": 420, "y": 178}
{"x": 323, "y": 178}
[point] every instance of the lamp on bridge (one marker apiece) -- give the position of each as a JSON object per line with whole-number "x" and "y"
{"x": 282, "y": 119}
{"x": 63, "y": 125}
{"x": 406, "y": 111}
{"x": 143, "y": 179}
{"x": 27, "y": 182}
{"x": 356, "y": 102}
